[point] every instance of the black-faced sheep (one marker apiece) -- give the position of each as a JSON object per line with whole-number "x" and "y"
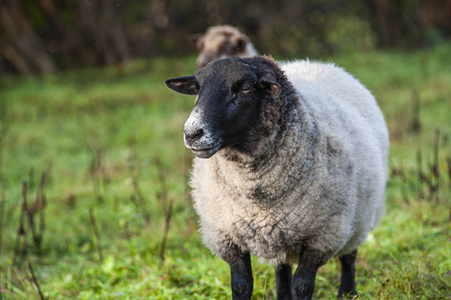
{"x": 220, "y": 42}
{"x": 291, "y": 166}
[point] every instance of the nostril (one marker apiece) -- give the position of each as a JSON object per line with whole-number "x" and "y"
{"x": 194, "y": 136}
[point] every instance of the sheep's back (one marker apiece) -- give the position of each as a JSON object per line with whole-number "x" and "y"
{"x": 345, "y": 89}
{"x": 348, "y": 114}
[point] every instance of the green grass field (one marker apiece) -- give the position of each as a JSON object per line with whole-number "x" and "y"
{"x": 108, "y": 144}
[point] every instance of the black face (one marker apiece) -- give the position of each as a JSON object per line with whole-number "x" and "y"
{"x": 230, "y": 94}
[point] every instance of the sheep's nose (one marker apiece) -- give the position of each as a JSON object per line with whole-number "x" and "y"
{"x": 192, "y": 136}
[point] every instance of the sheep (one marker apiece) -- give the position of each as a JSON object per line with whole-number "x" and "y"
{"x": 290, "y": 166}
{"x": 222, "y": 41}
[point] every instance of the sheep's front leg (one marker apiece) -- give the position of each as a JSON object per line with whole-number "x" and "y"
{"x": 347, "y": 285}
{"x": 304, "y": 278}
{"x": 242, "y": 281}
{"x": 283, "y": 281}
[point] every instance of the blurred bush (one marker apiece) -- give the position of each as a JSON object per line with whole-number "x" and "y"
{"x": 47, "y": 35}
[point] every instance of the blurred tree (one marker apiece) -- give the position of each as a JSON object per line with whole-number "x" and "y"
{"x": 62, "y": 43}
{"x": 394, "y": 21}
{"x": 101, "y": 26}
{"x": 408, "y": 22}
{"x": 436, "y": 17}
{"x": 20, "y": 45}
{"x": 38, "y": 35}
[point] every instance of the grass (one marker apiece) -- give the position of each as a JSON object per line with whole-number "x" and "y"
{"x": 110, "y": 143}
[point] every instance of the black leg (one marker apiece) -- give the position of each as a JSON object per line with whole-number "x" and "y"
{"x": 304, "y": 278}
{"x": 242, "y": 281}
{"x": 283, "y": 281}
{"x": 347, "y": 285}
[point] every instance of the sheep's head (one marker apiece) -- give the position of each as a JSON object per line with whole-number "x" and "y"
{"x": 221, "y": 42}
{"x": 231, "y": 93}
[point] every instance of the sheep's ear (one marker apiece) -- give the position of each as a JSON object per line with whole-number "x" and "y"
{"x": 269, "y": 83}
{"x": 240, "y": 45}
{"x": 193, "y": 38}
{"x": 185, "y": 85}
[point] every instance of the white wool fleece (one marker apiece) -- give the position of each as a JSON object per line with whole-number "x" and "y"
{"x": 322, "y": 185}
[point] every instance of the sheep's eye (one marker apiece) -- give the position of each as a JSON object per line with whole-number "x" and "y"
{"x": 246, "y": 89}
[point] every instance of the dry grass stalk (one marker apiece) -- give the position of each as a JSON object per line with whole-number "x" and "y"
{"x": 166, "y": 230}
{"x": 21, "y": 251}
{"x": 35, "y": 281}
{"x": 96, "y": 234}
{"x": 137, "y": 197}
{"x": 2, "y": 209}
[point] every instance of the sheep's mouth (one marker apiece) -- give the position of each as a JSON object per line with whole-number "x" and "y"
{"x": 206, "y": 152}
